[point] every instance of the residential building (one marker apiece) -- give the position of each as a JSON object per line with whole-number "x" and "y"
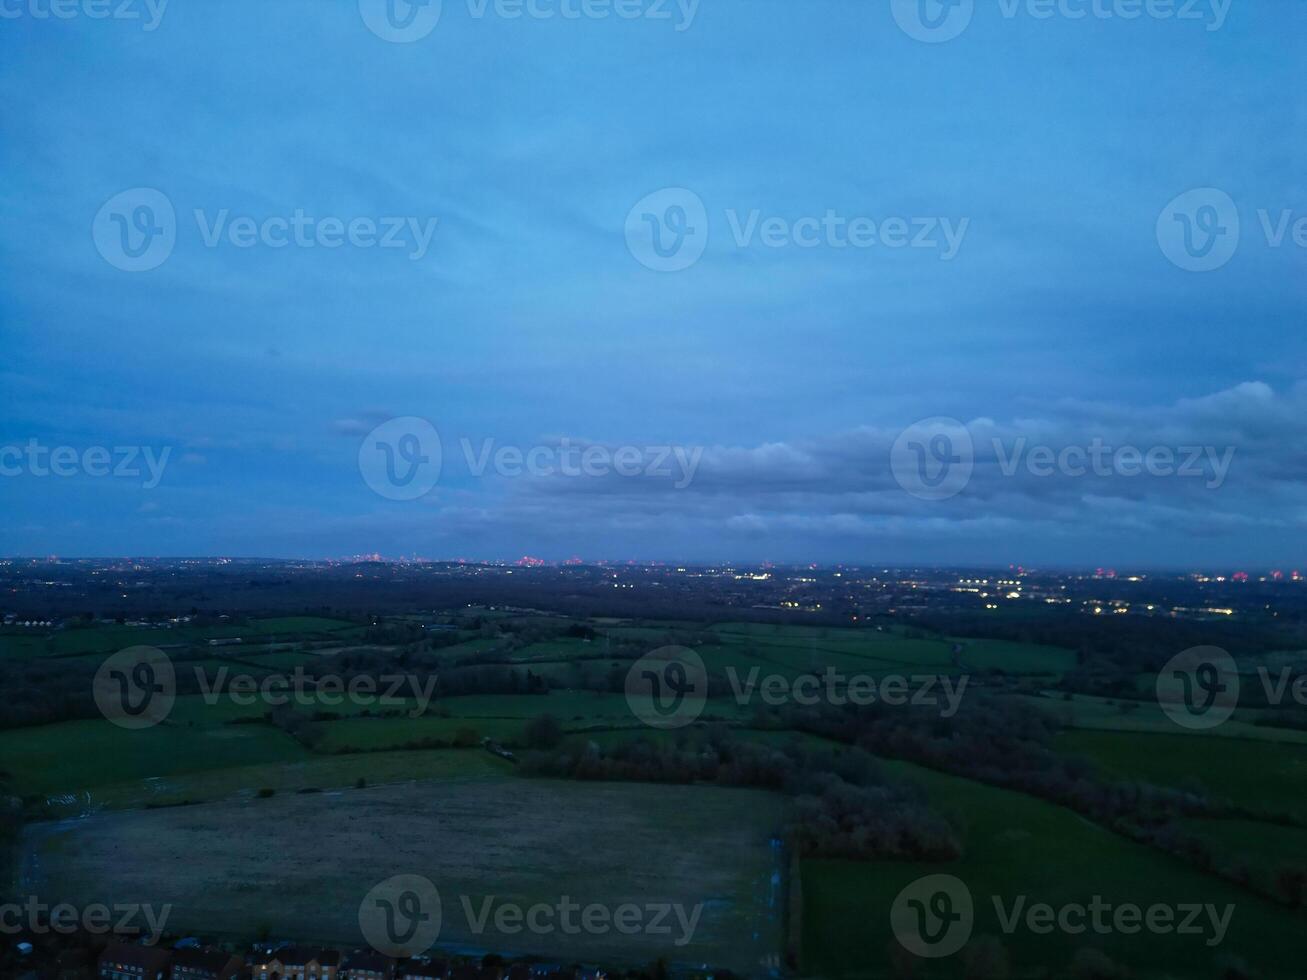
{"x": 294, "y": 963}
{"x": 366, "y": 965}
{"x": 205, "y": 964}
{"x": 125, "y": 961}
{"x": 422, "y": 969}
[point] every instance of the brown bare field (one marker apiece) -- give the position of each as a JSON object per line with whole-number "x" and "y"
{"x": 299, "y": 865}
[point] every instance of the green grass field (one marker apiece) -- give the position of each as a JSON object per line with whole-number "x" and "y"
{"x": 79, "y": 755}
{"x": 1263, "y": 849}
{"x": 1018, "y": 845}
{"x": 1119, "y": 715}
{"x": 1268, "y": 775}
{"x": 109, "y": 638}
{"x": 1015, "y": 844}
{"x": 799, "y": 648}
{"x": 308, "y": 773}
{"x": 1016, "y": 658}
{"x": 371, "y": 734}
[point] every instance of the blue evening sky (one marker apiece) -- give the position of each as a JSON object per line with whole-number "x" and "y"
{"x": 528, "y": 319}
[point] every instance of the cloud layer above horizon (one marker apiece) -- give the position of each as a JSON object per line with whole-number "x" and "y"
{"x": 442, "y": 229}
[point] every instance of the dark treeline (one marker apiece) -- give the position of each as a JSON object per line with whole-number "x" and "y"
{"x": 39, "y": 691}
{"x": 1145, "y": 642}
{"x": 998, "y": 742}
{"x": 844, "y": 804}
{"x": 1010, "y": 746}
{"x": 45, "y": 691}
{"x": 348, "y": 590}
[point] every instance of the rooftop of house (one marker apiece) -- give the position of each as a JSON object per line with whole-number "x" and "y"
{"x": 201, "y": 959}
{"x": 130, "y": 954}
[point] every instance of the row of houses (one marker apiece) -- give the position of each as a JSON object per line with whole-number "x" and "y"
{"x": 122, "y": 961}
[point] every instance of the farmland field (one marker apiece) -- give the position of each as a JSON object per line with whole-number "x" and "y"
{"x": 108, "y": 638}
{"x": 390, "y": 787}
{"x": 1119, "y": 715}
{"x": 1264, "y": 850}
{"x": 76, "y": 755}
{"x": 301, "y": 776}
{"x": 1268, "y": 775}
{"x": 474, "y": 838}
{"x": 1018, "y": 845}
{"x": 798, "y": 648}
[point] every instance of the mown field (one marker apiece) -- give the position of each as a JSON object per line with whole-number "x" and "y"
{"x": 477, "y": 839}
